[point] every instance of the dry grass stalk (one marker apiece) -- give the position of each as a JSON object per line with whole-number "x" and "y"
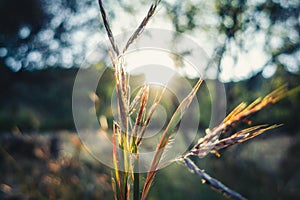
{"x": 213, "y": 183}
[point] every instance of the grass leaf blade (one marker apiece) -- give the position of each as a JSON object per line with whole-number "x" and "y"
{"x": 167, "y": 135}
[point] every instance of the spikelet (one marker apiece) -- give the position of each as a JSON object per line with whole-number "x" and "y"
{"x": 211, "y": 143}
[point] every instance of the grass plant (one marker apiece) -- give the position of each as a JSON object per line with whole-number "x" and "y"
{"x": 127, "y": 136}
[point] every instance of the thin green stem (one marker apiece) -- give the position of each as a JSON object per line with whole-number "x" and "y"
{"x": 136, "y": 181}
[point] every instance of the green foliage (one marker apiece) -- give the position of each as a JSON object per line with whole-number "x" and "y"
{"x": 37, "y": 100}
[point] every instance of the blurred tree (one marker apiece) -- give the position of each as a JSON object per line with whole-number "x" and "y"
{"x": 240, "y": 26}
{"x": 20, "y": 21}
{"x": 36, "y": 33}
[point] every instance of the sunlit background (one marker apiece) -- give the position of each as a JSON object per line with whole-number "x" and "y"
{"x": 254, "y": 45}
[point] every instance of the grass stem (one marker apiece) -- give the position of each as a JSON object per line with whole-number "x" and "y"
{"x": 136, "y": 181}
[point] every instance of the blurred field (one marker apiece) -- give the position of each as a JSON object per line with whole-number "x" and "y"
{"x": 55, "y": 165}
{"x": 41, "y": 161}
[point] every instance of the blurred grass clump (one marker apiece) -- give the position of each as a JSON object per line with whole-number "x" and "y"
{"x": 50, "y": 167}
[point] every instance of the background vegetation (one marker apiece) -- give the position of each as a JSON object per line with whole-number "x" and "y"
{"x": 42, "y": 44}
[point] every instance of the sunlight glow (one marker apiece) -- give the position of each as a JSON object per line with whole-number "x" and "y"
{"x": 158, "y": 66}
{"x": 247, "y": 63}
{"x": 155, "y": 65}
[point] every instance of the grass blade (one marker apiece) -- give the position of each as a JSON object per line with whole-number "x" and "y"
{"x": 117, "y": 179}
{"x": 166, "y": 137}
